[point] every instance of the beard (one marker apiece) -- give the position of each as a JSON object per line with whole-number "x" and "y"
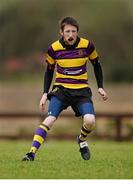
{"x": 70, "y": 41}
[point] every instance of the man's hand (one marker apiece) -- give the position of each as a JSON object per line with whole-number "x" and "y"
{"x": 43, "y": 101}
{"x": 103, "y": 94}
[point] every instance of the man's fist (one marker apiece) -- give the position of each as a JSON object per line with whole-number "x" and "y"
{"x": 102, "y": 92}
{"x": 43, "y": 101}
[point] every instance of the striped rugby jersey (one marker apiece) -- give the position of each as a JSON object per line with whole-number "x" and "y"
{"x": 70, "y": 61}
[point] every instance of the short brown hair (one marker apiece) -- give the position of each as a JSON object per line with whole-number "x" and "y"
{"x": 68, "y": 20}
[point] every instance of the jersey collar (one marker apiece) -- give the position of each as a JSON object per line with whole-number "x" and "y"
{"x": 69, "y": 46}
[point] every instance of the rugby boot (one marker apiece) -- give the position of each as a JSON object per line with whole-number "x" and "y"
{"x": 84, "y": 149}
{"x": 28, "y": 157}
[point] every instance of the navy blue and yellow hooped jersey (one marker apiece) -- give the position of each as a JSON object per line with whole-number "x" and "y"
{"x": 71, "y": 69}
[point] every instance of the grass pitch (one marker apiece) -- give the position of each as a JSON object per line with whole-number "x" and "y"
{"x": 61, "y": 160}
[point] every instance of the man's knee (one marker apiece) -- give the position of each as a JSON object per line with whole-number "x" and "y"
{"x": 89, "y": 121}
{"x": 49, "y": 121}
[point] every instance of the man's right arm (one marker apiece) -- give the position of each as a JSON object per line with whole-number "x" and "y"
{"x": 48, "y": 76}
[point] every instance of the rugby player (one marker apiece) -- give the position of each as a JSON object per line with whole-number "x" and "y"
{"x": 68, "y": 56}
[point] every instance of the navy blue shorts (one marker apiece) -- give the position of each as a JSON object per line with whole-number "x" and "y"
{"x": 56, "y": 106}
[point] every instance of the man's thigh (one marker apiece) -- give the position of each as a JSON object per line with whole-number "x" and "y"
{"x": 86, "y": 108}
{"x": 55, "y": 106}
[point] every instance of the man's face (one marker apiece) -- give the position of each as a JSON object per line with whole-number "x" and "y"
{"x": 69, "y": 34}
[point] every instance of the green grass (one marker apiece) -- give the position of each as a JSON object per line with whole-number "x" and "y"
{"x": 61, "y": 160}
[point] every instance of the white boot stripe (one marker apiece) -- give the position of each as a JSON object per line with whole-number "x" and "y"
{"x": 83, "y": 144}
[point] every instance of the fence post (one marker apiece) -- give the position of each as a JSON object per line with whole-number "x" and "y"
{"x": 118, "y": 128}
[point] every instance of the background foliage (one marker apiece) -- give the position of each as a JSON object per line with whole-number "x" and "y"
{"x": 28, "y": 27}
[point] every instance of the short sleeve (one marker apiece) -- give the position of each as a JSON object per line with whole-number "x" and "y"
{"x": 50, "y": 56}
{"x": 92, "y": 51}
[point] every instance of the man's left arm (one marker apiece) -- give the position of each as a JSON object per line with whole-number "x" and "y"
{"x": 94, "y": 58}
{"x": 99, "y": 78}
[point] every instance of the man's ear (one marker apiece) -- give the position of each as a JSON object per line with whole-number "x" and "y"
{"x": 61, "y": 32}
